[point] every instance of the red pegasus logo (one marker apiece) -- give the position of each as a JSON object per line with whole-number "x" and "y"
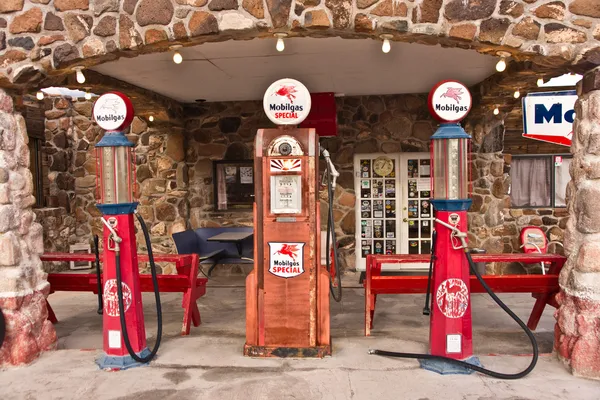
{"x": 288, "y": 250}
{"x": 453, "y": 93}
{"x": 287, "y": 91}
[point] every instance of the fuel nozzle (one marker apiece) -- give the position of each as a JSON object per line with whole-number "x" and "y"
{"x": 331, "y": 169}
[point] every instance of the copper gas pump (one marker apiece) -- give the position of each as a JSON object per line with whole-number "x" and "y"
{"x": 287, "y": 293}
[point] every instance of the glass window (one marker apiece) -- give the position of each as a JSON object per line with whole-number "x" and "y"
{"x": 233, "y": 185}
{"x": 539, "y": 181}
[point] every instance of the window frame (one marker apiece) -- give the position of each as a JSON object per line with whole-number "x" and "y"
{"x": 238, "y": 163}
{"x": 37, "y": 170}
{"x": 552, "y": 177}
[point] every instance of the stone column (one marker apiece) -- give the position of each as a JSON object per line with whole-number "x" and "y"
{"x": 577, "y": 331}
{"x": 23, "y": 285}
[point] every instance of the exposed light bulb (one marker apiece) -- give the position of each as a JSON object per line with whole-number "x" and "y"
{"x": 280, "y": 45}
{"x": 501, "y": 65}
{"x": 540, "y": 82}
{"x": 39, "y": 95}
{"x": 88, "y": 96}
{"x": 151, "y": 118}
{"x": 79, "y": 75}
{"x": 177, "y": 58}
{"x": 517, "y": 94}
{"x": 496, "y": 111}
{"x": 386, "y": 46}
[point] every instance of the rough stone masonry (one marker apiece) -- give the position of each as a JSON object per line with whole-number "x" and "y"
{"x": 23, "y": 285}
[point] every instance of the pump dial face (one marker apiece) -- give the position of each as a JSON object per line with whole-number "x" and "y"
{"x": 383, "y": 166}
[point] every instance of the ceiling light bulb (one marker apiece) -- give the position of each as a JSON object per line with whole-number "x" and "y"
{"x": 39, "y": 95}
{"x": 386, "y": 46}
{"x": 80, "y": 76}
{"x": 280, "y": 45}
{"x": 88, "y": 96}
{"x": 496, "y": 111}
{"x": 501, "y": 65}
{"x": 540, "y": 82}
{"x": 177, "y": 58}
{"x": 151, "y": 118}
{"x": 517, "y": 94}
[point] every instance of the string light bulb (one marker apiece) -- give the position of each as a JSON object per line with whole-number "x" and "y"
{"x": 280, "y": 46}
{"x": 496, "y": 111}
{"x": 79, "y": 75}
{"x": 177, "y": 57}
{"x": 386, "y": 46}
{"x": 39, "y": 95}
{"x": 151, "y": 118}
{"x": 501, "y": 65}
{"x": 88, "y": 94}
{"x": 540, "y": 82}
{"x": 517, "y": 94}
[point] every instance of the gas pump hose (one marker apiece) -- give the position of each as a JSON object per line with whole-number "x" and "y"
{"x": 153, "y": 352}
{"x": 331, "y": 236}
{"x": 482, "y": 370}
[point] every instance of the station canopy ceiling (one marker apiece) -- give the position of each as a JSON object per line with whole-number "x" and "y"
{"x": 242, "y": 70}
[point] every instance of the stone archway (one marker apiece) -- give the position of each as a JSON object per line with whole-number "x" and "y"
{"x": 43, "y": 38}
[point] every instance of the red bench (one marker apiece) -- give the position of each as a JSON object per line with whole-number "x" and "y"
{"x": 186, "y": 281}
{"x": 542, "y": 287}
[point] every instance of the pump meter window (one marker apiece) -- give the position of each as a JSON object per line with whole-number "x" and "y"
{"x": 286, "y": 194}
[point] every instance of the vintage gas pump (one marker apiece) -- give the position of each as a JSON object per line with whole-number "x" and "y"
{"x": 123, "y": 318}
{"x": 450, "y": 335}
{"x": 287, "y": 293}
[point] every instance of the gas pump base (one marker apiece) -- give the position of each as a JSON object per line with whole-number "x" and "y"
{"x": 287, "y": 352}
{"x": 447, "y": 368}
{"x": 113, "y": 363}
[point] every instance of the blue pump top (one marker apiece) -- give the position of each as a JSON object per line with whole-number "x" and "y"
{"x": 450, "y": 131}
{"x": 114, "y": 139}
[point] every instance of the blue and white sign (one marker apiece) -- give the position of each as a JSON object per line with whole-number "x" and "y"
{"x": 549, "y": 116}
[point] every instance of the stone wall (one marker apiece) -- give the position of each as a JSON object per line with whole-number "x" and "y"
{"x": 23, "y": 285}
{"x": 577, "y": 331}
{"x": 38, "y": 38}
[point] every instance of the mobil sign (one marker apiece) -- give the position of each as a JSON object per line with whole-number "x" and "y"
{"x": 549, "y": 116}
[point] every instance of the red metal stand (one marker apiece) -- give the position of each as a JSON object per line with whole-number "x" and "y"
{"x": 132, "y": 298}
{"x": 451, "y": 333}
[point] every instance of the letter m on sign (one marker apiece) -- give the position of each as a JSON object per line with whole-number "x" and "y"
{"x": 553, "y": 115}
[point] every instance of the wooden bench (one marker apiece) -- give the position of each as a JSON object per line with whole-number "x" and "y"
{"x": 542, "y": 287}
{"x": 185, "y": 281}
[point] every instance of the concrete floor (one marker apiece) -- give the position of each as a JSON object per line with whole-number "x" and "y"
{"x": 209, "y": 363}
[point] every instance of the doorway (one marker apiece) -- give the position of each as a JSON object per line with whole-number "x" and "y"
{"x": 393, "y": 209}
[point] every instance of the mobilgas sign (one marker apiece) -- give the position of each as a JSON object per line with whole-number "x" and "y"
{"x": 113, "y": 111}
{"x": 549, "y": 116}
{"x": 287, "y": 102}
{"x": 449, "y": 101}
{"x": 286, "y": 259}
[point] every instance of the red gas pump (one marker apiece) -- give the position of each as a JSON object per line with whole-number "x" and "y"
{"x": 287, "y": 293}
{"x": 450, "y": 335}
{"x": 123, "y": 318}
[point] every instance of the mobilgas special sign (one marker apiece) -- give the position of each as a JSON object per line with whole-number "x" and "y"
{"x": 549, "y": 116}
{"x": 287, "y": 102}
{"x": 286, "y": 260}
{"x": 113, "y": 111}
{"x": 449, "y": 101}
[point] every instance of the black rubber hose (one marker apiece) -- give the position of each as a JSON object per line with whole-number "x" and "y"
{"x": 99, "y": 275}
{"x": 494, "y": 374}
{"x": 2, "y": 328}
{"x": 150, "y": 356}
{"x": 336, "y": 294}
{"x": 427, "y": 308}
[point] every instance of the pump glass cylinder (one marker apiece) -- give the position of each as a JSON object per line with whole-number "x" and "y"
{"x": 116, "y": 175}
{"x": 450, "y": 175}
